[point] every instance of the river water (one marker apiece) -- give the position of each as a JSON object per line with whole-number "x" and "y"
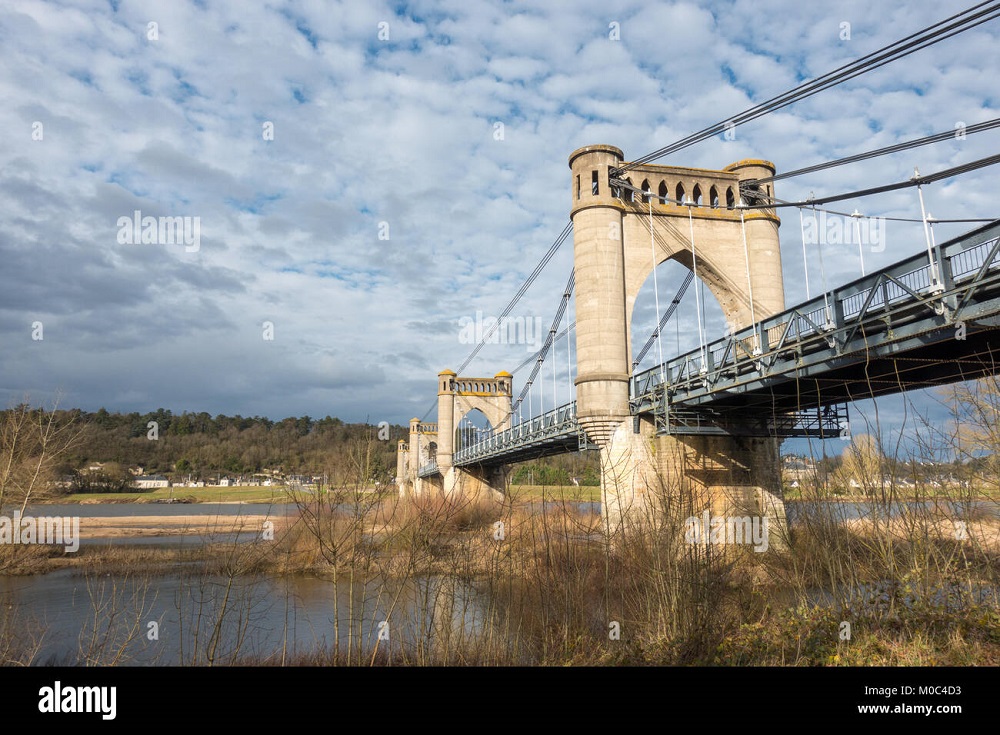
{"x": 187, "y": 618}
{"x": 177, "y": 619}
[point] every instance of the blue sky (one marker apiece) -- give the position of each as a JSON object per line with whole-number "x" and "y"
{"x": 384, "y": 118}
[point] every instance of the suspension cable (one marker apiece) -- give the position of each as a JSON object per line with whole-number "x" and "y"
{"x": 856, "y": 216}
{"x": 914, "y": 181}
{"x": 694, "y": 260}
{"x": 656, "y": 288}
{"x": 935, "y": 281}
{"x": 805, "y": 260}
{"x": 563, "y": 303}
{"x": 656, "y": 335}
{"x": 905, "y": 146}
{"x": 811, "y": 203}
{"x": 688, "y": 278}
{"x": 935, "y": 33}
{"x": 569, "y": 363}
{"x": 822, "y": 272}
{"x": 553, "y": 249}
{"x": 746, "y": 260}
{"x": 555, "y": 400}
{"x": 534, "y": 355}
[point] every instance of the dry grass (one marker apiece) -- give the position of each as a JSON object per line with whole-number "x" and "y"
{"x": 549, "y": 589}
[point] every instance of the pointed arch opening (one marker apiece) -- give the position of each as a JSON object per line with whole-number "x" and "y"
{"x": 472, "y": 428}
{"x": 679, "y": 334}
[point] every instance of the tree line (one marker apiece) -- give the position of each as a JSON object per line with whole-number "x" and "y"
{"x": 205, "y": 446}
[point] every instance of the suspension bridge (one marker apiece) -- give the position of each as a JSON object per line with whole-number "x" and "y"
{"x": 713, "y": 417}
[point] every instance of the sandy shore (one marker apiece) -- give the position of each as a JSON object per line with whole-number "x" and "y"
{"x": 152, "y": 526}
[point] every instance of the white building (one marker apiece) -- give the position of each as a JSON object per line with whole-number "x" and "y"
{"x": 146, "y": 482}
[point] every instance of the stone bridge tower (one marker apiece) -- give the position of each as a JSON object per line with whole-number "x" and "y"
{"x": 457, "y": 396}
{"x": 613, "y": 256}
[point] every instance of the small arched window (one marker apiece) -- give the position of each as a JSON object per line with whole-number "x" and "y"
{"x": 696, "y": 195}
{"x": 645, "y": 188}
{"x": 662, "y": 191}
{"x": 679, "y": 193}
{"x": 730, "y": 199}
{"x": 713, "y": 197}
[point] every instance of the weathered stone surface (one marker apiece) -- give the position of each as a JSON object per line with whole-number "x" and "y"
{"x": 618, "y": 241}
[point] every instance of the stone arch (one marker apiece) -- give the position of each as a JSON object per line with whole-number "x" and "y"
{"x": 696, "y": 195}
{"x": 670, "y": 272}
{"x": 720, "y": 263}
{"x": 645, "y": 187}
{"x": 730, "y": 199}
{"x": 495, "y": 406}
{"x": 466, "y": 432}
{"x": 662, "y": 191}
{"x": 713, "y": 197}
{"x": 679, "y": 191}
{"x": 729, "y": 295}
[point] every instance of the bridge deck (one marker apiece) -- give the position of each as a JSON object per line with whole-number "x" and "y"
{"x": 888, "y": 332}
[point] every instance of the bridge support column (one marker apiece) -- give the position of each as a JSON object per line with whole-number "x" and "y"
{"x": 465, "y": 485}
{"x": 663, "y": 481}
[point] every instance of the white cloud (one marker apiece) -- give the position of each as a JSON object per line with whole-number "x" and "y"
{"x": 399, "y": 131}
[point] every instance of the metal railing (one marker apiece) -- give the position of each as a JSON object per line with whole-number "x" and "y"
{"x": 847, "y": 319}
{"x": 559, "y": 423}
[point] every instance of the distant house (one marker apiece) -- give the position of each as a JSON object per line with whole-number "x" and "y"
{"x": 226, "y": 482}
{"x": 146, "y": 482}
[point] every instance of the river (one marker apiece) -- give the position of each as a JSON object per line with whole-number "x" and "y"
{"x": 187, "y": 618}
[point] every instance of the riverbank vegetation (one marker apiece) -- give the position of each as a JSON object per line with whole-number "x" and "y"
{"x": 494, "y": 582}
{"x": 906, "y": 578}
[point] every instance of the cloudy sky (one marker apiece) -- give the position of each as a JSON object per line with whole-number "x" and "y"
{"x": 365, "y": 177}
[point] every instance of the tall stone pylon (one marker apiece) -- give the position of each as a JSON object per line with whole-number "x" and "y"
{"x": 619, "y": 237}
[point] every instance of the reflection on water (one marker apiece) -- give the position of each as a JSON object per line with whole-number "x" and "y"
{"x": 223, "y": 620}
{"x": 799, "y": 510}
